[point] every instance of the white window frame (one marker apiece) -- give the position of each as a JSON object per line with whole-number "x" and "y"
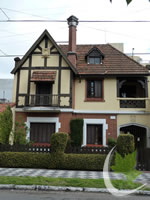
{"x": 42, "y": 120}
{"x": 94, "y": 121}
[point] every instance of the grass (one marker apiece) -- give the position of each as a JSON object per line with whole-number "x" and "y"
{"x": 74, "y": 182}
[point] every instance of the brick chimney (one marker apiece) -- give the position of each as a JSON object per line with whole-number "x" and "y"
{"x": 72, "y": 22}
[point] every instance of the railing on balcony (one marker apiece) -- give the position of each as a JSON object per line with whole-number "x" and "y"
{"x": 132, "y": 102}
{"x": 42, "y": 100}
{"x": 45, "y": 100}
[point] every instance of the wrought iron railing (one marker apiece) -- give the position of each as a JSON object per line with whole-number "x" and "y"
{"x": 132, "y": 103}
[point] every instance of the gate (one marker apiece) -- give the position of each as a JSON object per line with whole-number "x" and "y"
{"x": 143, "y": 159}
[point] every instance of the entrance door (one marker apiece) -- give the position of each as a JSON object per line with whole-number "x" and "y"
{"x": 139, "y": 135}
{"x": 41, "y": 132}
{"x": 94, "y": 134}
{"x": 44, "y": 94}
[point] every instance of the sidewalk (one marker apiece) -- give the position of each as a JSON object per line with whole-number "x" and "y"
{"x": 144, "y": 177}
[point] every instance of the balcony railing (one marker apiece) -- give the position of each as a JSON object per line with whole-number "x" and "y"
{"x": 132, "y": 102}
{"x": 44, "y": 100}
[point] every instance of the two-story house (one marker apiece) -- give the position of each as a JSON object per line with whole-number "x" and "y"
{"x": 56, "y": 83}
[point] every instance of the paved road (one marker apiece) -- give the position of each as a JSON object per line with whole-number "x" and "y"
{"x": 36, "y": 195}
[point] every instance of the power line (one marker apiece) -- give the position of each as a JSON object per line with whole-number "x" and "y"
{"x": 4, "y": 13}
{"x": 80, "y": 21}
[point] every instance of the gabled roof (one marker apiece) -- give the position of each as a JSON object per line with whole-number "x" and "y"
{"x": 34, "y": 46}
{"x": 115, "y": 63}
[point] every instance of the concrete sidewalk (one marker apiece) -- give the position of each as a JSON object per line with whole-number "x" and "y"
{"x": 144, "y": 177}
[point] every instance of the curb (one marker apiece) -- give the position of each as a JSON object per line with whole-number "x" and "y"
{"x": 59, "y": 188}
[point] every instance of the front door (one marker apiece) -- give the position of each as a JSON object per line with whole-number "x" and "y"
{"x": 41, "y": 132}
{"x": 43, "y": 94}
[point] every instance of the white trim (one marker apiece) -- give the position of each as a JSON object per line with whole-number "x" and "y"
{"x": 140, "y": 125}
{"x": 56, "y": 109}
{"x": 94, "y": 121}
{"x": 42, "y": 120}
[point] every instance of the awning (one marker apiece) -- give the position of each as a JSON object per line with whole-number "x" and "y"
{"x": 40, "y": 76}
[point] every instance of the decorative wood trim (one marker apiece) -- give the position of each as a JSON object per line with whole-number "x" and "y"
{"x": 18, "y": 86}
{"x": 55, "y": 52}
{"x": 36, "y": 53}
{"x": 29, "y": 75}
{"x": 40, "y": 48}
{"x": 47, "y": 68}
{"x": 59, "y": 78}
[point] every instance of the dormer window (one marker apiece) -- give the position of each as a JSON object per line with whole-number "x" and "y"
{"x": 95, "y": 56}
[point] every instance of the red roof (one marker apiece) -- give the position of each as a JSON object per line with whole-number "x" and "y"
{"x": 114, "y": 62}
{"x": 3, "y": 106}
{"x": 43, "y": 76}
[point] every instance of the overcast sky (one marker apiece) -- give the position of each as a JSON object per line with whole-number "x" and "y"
{"x": 17, "y": 38}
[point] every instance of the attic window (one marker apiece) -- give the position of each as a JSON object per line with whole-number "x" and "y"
{"x": 95, "y": 56}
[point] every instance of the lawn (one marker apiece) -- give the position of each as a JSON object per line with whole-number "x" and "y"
{"x": 74, "y": 182}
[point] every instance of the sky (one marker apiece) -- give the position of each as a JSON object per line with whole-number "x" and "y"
{"x": 17, "y": 37}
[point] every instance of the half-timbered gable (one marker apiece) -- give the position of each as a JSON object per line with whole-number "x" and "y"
{"x": 44, "y": 76}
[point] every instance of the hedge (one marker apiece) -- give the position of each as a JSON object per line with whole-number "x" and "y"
{"x": 47, "y": 161}
{"x": 25, "y": 160}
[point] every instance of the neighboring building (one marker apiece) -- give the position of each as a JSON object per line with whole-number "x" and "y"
{"x": 6, "y": 90}
{"x": 56, "y": 83}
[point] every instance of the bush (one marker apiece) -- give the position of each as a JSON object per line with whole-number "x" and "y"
{"x": 111, "y": 142}
{"x": 83, "y": 162}
{"x": 59, "y": 142}
{"x": 52, "y": 161}
{"x": 76, "y": 127}
{"x": 20, "y": 132}
{"x": 125, "y": 144}
{"x": 25, "y": 160}
{"x": 5, "y": 125}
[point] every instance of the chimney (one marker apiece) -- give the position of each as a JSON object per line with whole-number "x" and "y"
{"x": 17, "y": 60}
{"x": 72, "y": 22}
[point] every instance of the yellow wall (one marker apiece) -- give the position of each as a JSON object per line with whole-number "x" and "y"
{"x": 53, "y": 60}
{"x": 26, "y": 64}
{"x": 65, "y": 81}
{"x": 110, "y": 96}
{"x": 23, "y": 81}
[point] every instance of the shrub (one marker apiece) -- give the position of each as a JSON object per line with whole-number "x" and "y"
{"x": 25, "y": 160}
{"x": 76, "y": 128}
{"x": 52, "y": 161}
{"x": 5, "y": 125}
{"x": 111, "y": 142}
{"x": 20, "y": 132}
{"x": 83, "y": 162}
{"x": 59, "y": 142}
{"x": 125, "y": 144}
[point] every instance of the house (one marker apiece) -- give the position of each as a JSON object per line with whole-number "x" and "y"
{"x": 98, "y": 83}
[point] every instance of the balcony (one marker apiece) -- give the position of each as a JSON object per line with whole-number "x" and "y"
{"x": 132, "y": 102}
{"x": 44, "y": 100}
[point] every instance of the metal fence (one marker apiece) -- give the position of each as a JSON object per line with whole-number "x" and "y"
{"x": 47, "y": 149}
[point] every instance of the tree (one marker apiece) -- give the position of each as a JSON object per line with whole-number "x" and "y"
{"x": 5, "y": 125}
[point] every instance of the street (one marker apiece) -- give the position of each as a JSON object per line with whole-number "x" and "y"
{"x": 43, "y": 195}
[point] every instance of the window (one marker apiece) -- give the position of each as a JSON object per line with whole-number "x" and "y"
{"x": 94, "y": 60}
{"x": 94, "y": 134}
{"x": 94, "y": 56}
{"x": 94, "y": 89}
